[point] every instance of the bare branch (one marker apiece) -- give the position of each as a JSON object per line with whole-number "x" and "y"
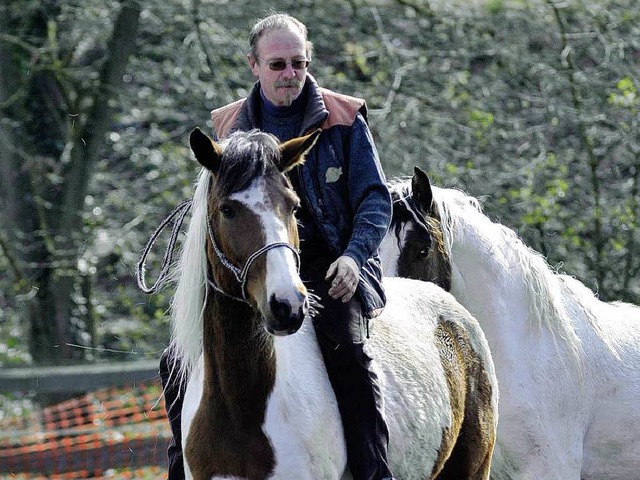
{"x": 11, "y": 260}
{"x": 206, "y": 49}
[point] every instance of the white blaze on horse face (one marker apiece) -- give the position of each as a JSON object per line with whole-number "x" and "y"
{"x": 282, "y": 279}
{"x": 390, "y": 249}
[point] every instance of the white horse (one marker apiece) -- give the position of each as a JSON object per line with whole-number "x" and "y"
{"x": 258, "y": 402}
{"x": 568, "y": 364}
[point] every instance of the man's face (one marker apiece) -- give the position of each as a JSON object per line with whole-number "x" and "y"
{"x": 281, "y": 87}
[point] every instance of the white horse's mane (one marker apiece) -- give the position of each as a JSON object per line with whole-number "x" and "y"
{"x": 187, "y": 306}
{"x": 462, "y": 218}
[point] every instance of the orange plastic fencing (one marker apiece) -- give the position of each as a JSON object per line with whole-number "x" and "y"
{"x": 111, "y": 433}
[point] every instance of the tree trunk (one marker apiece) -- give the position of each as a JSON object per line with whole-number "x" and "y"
{"x": 45, "y": 220}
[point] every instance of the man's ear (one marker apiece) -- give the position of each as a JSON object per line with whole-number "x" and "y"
{"x": 253, "y": 65}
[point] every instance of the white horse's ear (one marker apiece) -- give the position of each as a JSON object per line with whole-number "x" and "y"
{"x": 207, "y": 152}
{"x": 421, "y": 190}
{"x": 293, "y": 151}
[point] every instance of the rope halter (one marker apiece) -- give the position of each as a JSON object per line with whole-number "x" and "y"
{"x": 240, "y": 274}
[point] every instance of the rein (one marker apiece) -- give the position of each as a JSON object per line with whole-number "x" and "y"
{"x": 240, "y": 274}
{"x": 180, "y": 212}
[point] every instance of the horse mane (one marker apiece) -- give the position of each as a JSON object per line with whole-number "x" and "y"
{"x": 247, "y": 155}
{"x": 187, "y": 305}
{"x": 462, "y": 217}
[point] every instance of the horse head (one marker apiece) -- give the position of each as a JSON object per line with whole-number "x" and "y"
{"x": 414, "y": 246}
{"x": 252, "y": 232}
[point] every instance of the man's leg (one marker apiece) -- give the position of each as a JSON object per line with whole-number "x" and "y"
{"x": 173, "y": 398}
{"x": 340, "y": 328}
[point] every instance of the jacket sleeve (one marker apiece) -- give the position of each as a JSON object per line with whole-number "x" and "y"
{"x": 369, "y": 196}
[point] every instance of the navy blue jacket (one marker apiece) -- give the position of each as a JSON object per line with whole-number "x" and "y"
{"x": 342, "y": 180}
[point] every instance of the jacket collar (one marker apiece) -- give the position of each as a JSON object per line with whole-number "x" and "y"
{"x": 314, "y": 115}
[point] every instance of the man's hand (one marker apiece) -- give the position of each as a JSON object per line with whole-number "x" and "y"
{"x": 345, "y": 273}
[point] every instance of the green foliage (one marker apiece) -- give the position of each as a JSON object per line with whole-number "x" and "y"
{"x": 532, "y": 109}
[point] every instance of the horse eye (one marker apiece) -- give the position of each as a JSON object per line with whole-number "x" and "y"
{"x": 422, "y": 254}
{"x": 295, "y": 208}
{"x": 227, "y": 211}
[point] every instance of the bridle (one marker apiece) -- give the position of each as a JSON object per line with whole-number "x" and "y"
{"x": 240, "y": 274}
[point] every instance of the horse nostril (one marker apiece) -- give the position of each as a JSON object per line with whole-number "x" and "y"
{"x": 284, "y": 318}
{"x": 279, "y": 309}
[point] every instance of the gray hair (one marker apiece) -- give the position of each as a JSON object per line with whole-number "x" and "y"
{"x": 277, "y": 21}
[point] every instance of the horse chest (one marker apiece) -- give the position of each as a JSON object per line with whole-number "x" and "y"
{"x": 223, "y": 438}
{"x": 302, "y": 419}
{"x": 301, "y": 428}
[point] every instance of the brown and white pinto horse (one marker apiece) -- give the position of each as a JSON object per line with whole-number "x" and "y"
{"x": 568, "y": 363}
{"x": 258, "y": 402}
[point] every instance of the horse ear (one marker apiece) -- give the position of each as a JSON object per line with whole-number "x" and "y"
{"x": 293, "y": 151}
{"x": 421, "y": 190}
{"x": 207, "y": 152}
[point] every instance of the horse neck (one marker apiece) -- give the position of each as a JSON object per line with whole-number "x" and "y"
{"x": 481, "y": 263}
{"x": 510, "y": 289}
{"x": 487, "y": 278}
{"x": 239, "y": 365}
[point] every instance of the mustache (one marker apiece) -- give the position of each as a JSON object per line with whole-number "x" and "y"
{"x": 289, "y": 83}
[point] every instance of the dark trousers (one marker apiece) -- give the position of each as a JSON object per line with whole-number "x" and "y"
{"x": 341, "y": 331}
{"x": 173, "y": 398}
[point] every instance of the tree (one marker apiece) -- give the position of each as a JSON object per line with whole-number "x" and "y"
{"x": 55, "y": 98}
{"x": 532, "y": 106}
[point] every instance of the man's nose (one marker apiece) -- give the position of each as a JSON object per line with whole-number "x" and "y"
{"x": 289, "y": 71}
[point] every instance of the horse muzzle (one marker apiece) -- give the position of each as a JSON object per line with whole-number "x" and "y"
{"x": 285, "y": 317}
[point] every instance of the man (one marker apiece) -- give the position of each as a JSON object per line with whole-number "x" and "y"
{"x": 346, "y": 209}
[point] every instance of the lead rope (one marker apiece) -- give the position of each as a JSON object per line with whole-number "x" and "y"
{"x": 180, "y": 212}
